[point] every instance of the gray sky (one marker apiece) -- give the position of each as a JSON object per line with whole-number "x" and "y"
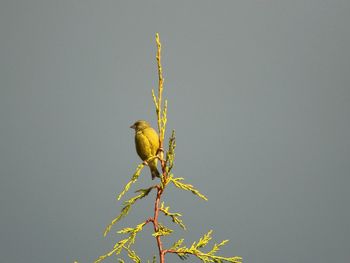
{"x": 258, "y": 94}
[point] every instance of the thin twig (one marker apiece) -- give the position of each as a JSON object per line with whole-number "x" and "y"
{"x": 160, "y": 91}
{"x": 156, "y": 226}
{"x": 161, "y": 155}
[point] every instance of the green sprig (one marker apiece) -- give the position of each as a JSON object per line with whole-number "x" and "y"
{"x": 170, "y": 155}
{"x": 133, "y": 180}
{"x": 188, "y": 187}
{"x": 184, "y": 252}
{"x": 174, "y": 216}
{"x": 162, "y": 231}
{"x": 127, "y": 205}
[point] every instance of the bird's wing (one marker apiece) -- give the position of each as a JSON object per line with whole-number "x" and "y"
{"x": 153, "y": 139}
{"x": 143, "y": 146}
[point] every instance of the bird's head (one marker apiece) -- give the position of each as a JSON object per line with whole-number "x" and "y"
{"x": 140, "y": 125}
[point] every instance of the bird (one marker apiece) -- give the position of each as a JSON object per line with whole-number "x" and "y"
{"x": 147, "y": 144}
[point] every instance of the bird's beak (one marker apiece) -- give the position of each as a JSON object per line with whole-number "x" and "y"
{"x": 132, "y": 126}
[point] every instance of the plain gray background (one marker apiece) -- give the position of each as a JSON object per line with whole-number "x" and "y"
{"x": 258, "y": 94}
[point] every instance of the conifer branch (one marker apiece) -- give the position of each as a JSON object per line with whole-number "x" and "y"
{"x": 161, "y": 230}
{"x": 174, "y": 216}
{"x": 170, "y": 155}
{"x": 183, "y": 252}
{"x": 188, "y": 187}
{"x": 127, "y": 205}
{"x": 160, "y": 90}
{"x": 133, "y": 180}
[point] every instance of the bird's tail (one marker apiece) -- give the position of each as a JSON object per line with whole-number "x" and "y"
{"x": 153, "y": 168}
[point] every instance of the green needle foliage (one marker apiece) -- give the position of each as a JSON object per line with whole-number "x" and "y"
{"x": 177, "y": 182}
{"x": 127, "y": 205}
{"x": 133, "y": 180}
{"x": 174, "y": 216}
{"x": 183, "y": 252}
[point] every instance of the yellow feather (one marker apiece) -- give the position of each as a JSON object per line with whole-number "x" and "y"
{"x": 147, "y": 144}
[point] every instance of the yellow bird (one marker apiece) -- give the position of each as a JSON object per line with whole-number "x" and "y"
{"x": 147, "y": 144}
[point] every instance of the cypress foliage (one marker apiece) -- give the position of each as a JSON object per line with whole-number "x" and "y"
{"x": 182, "y": 251}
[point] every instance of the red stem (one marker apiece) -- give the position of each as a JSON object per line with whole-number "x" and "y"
{"x": 154, "y": 220}
{"x": 155, "y": 224}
